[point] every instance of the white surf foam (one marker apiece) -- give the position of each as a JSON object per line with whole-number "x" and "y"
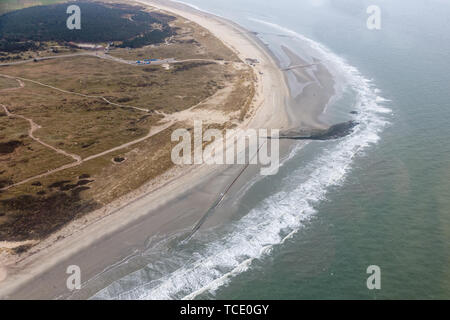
{"x": 190, "y": 5}
{"x": 281, "y": 215}
{"x": 197, "y": 8}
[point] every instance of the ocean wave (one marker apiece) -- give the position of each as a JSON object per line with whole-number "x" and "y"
{"x": 196, "y": 8}
{"x": 190, "y": 5}
{"x": 278, "y": 217}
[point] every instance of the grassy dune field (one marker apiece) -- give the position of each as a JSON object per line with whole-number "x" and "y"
{"x": 85, "y": 130}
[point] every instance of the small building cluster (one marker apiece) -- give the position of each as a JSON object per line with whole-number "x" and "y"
{"x": 146, "y": 61}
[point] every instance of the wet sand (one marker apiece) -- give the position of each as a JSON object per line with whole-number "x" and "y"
{"x": 175, "y": 207}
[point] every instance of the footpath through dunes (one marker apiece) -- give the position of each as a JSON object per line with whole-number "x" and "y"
{"x": 8, "y": 84}
{"x": 261, "y": 89}
{"x": 95, "y": 129}
{"x": 34, "y": 127}
{"x": 74, "y": 93}
{"x": 77, "y": 158}
{"x": 105, "y": 56}
{"x": 282, "y": 206}
{"x": 166, "y": 121}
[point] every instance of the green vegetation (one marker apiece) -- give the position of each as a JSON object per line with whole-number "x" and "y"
{"x": 54, "y": 188}
{"x": 86, "y": 127}
{"x": 26, "y": 29}
{"x": 11, "y": 5}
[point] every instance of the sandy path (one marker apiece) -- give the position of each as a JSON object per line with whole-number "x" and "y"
{"x": 34, "y": 127}
{"x": 177, "y": 201}
{"x": 90, "y": 54}
{"x": 153, "y": 131}
{"x": 168, "y": 119}
{"x": 21, "y": 85}
{"x": 74, "y": 93}
{"x": 110, "y": 58}
{"x": 78, "y": 160}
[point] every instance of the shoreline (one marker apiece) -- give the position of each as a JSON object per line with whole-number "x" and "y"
{"x": 143, "y": 206}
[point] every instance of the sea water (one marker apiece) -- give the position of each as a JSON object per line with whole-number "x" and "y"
{"x": 379, "y": 196}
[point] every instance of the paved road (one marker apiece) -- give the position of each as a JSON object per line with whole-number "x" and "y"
{"x": 109, "y": 57}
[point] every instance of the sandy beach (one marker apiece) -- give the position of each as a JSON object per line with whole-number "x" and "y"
{"x": 177, "y": 201}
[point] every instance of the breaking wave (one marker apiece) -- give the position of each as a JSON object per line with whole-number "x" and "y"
{"x": 275, "y": 219}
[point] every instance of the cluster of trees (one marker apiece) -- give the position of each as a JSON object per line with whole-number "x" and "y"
{"x": 16, "y": 46}
{"x": 21, "y": 30}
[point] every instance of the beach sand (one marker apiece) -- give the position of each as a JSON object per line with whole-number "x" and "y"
{"x": 172, "y": 205}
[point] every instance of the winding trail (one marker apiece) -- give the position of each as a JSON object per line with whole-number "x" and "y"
{"x": 78, "y": 160}
{"x": 153, "y": 131}
{"x": 110, "y": 58}
{"x": 46, "y": 58}
{"x": 21, "y": 85}
{"x": 75, "y": 93}
{"x": 34, "y": 127}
